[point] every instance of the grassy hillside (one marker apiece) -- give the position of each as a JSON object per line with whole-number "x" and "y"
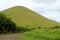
{"x": 24, "y": 16}
{"x": 42, "y": 34}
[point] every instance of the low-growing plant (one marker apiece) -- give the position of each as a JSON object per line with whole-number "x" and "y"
{"x": 55, "y": 27}
{"x": 22, "y": 29}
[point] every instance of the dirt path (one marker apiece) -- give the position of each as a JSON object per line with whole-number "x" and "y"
{"x": 11, "y": 37}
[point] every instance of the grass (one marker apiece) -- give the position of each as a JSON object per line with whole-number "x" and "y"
{"x": 42, "y": 34}
{"x": 23, "y": 16}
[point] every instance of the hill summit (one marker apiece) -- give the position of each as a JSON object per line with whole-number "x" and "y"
{"x": 24, "y": 16}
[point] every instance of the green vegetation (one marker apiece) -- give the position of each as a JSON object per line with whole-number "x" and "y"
{"x": 25, "y": 17}
{"x": 8, "y": 26}
{"x": 22, "y": 29}
{"x": 42, "y": 34}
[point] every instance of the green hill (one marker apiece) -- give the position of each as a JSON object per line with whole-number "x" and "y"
{"x": 24, "y": 16}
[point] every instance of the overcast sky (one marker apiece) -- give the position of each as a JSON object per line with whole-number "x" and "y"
{"x": 47, "y": 8}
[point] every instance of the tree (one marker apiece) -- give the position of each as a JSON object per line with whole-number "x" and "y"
{"x": 6, "y": 24}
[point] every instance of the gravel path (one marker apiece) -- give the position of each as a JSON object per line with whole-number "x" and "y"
{"x": 11, "y": 37}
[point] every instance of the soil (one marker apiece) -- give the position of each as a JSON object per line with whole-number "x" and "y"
{"x": 16, "y": 36}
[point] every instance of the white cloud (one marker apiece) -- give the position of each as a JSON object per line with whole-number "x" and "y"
{"x": 50, "y": 9}
{"x": 43, "y": 1}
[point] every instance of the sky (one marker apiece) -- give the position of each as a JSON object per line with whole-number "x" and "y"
{"x": 47, "y": 8}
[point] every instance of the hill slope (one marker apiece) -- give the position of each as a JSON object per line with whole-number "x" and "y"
{"x": 25, "y": 16}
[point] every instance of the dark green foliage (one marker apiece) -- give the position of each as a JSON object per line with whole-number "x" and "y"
{"x": 55, "y": 27}
{"x": 6, "y": 24}
{"x": 22, "y": 29}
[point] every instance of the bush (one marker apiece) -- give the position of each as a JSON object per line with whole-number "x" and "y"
{"x": 6, "y": 24}
{"x": 55, "y": 27}
{"x": 22, "y": 29}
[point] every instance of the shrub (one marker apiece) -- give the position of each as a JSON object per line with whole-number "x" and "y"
{"x": 22, "y": 29}
{"x": 55, "y": 27}
{"x": 6, "y": 24}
